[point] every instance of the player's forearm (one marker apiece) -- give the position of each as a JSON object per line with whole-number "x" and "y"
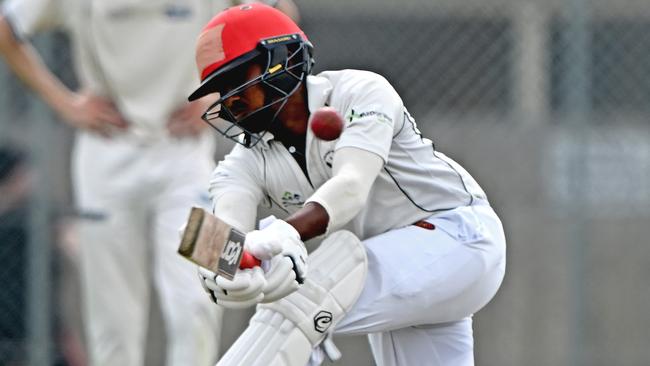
{"x": 26, "y": 64}
{"x": 346, "y": 193}
{"x": 310, "y": 221}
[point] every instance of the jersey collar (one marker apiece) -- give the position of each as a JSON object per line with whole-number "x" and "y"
{"x": 318, "y": 92}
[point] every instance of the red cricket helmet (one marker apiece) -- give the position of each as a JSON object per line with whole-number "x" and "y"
{"x": 237, "y": 35}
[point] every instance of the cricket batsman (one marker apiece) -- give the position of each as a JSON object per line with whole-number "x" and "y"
{"x": 412, "y": 248}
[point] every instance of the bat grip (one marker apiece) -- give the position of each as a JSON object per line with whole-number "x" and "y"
{"x": 249, "y": 261}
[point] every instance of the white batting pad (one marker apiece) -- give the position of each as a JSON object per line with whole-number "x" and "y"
{"x": 284, "y": 332}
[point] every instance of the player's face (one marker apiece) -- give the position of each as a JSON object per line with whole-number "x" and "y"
{"x": 249, "y": 100}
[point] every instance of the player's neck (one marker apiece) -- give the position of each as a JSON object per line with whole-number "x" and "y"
{"x": 290, "y": 139}
{"x": 295, "y": 114}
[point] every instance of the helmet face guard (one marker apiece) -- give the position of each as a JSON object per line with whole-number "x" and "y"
{"x": 286, "y": 63}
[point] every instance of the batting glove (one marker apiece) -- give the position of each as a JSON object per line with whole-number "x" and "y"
{"x": 244, "y": 290}
{"x": 283, "y": 254}
{"x": 280, "y": 278}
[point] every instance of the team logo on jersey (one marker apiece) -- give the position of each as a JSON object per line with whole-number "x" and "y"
{"x": 379, "y": 116}
{"x": 292, "y": 199}
{"x": 322, "y": 321}
{"x": 328, "y": 158}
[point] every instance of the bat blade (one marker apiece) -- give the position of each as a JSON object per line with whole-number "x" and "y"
{"x": 211, "y": 243}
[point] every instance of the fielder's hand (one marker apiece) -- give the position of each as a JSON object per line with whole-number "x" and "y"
{"x": 93, "y": 113}
{"x": 186, "y": 120}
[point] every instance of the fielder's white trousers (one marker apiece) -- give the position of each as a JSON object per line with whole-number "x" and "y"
{"x": 424, "y": 285}
{"x": 138, "y": 196}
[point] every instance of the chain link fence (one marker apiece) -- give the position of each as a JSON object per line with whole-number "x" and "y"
{"x": 547, "y": 103}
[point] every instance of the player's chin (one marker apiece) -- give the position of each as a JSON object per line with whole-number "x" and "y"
{"x": 256, "y": 122}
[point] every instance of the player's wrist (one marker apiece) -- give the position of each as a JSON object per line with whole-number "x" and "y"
{"x": 284, "y": 229}
{"x": 65, "y": 104}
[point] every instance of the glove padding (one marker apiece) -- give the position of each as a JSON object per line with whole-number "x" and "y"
{"x": 280, "y": 278}
{"x": 278, "y": 239}
{"x": 245, "y": 289}
{"x": 252, "y": 285}
{"x": 283, "y": 269}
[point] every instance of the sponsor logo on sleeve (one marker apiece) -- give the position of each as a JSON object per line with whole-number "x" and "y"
{"x": 377, "y": 115}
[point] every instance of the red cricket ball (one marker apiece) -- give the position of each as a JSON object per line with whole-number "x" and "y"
{"x": 326, "y": 123}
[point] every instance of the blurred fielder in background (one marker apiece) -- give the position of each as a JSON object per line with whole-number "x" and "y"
{"x": 432, "y": 250}
{"x": 141, "y": 159}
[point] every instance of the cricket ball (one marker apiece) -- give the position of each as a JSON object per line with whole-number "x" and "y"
{"x": 326, "y": 123}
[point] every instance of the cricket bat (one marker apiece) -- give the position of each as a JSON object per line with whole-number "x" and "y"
{"x": 211, "y": 243}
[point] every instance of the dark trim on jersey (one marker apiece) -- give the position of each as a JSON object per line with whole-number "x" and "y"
{"x": 433, "y": 150}
{"x": 303, "y": 155}
{"x": 460, "y": 177}
{"x": 408, "y": 117}
{"x": 411, "y": 199}
{"x": 402, "y": 127}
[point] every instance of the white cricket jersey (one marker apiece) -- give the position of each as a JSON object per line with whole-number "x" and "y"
{"x": 415, "y": 183}
{"x": 147, "y": 71}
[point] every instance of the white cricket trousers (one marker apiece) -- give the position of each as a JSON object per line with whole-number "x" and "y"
{"x": 424, "y": 285}
{"x": 138, "y": 196}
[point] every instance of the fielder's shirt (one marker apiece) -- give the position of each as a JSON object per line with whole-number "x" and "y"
{"x": 148, "y": 71}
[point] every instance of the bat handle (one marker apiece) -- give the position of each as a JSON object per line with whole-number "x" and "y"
{"x": 249, "y": 261}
